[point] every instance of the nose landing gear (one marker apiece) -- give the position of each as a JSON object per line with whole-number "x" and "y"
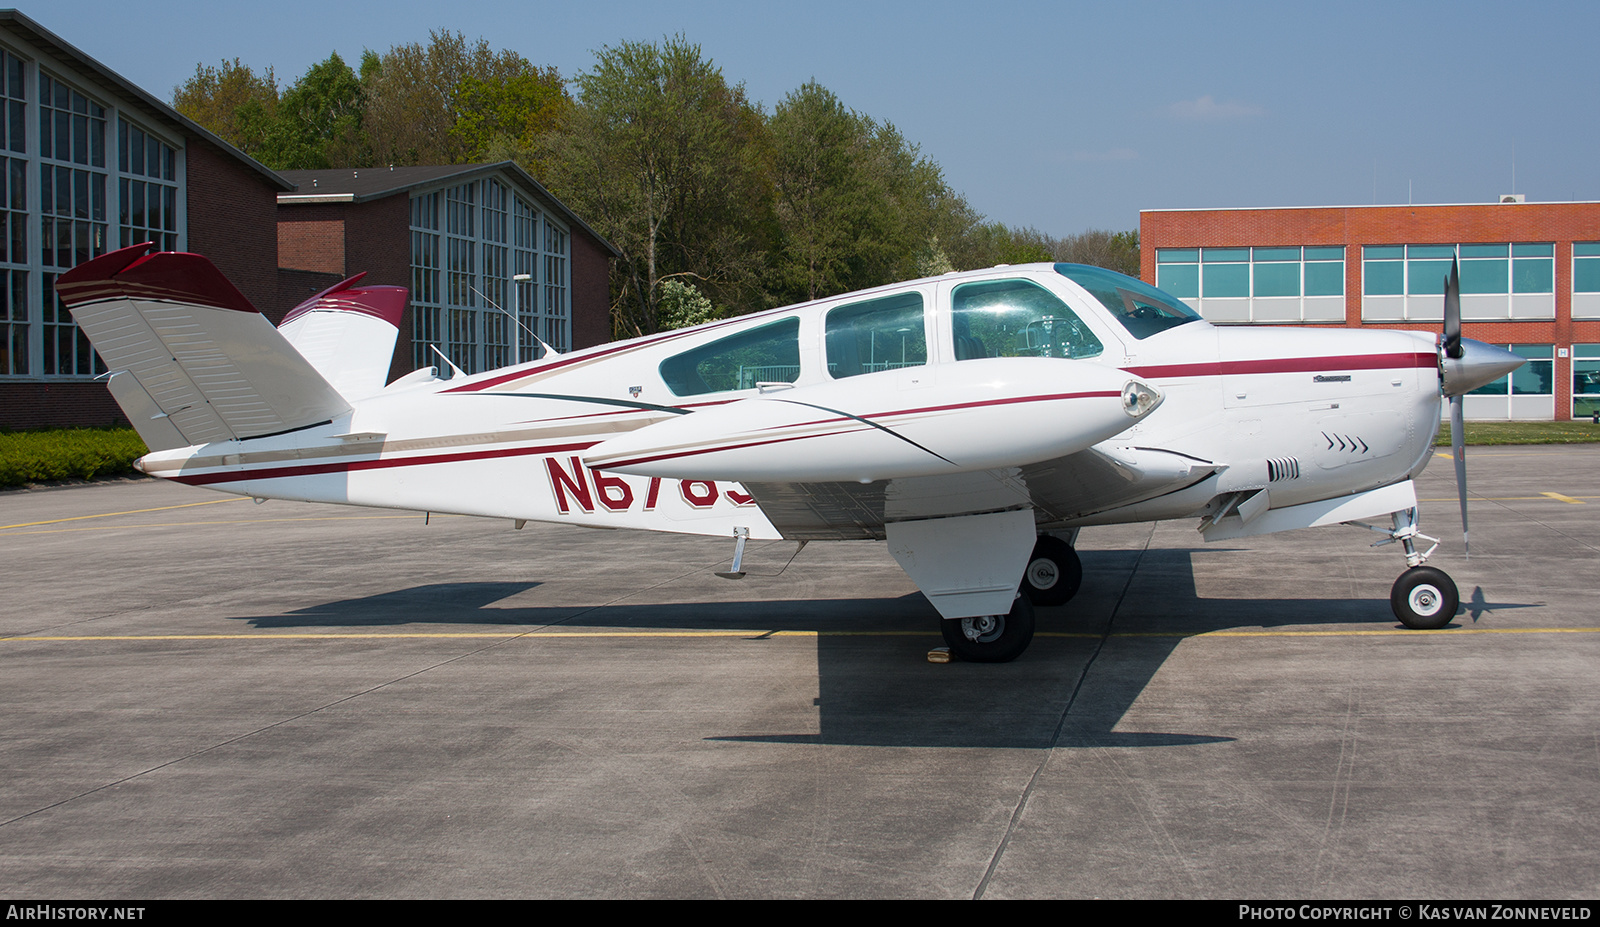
{"x": 1423, "y": 598}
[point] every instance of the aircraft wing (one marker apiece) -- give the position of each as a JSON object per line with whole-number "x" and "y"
{"x": 1060, "y": 490}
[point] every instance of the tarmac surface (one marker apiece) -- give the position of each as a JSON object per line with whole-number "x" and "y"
{"x": 206, "y": 698}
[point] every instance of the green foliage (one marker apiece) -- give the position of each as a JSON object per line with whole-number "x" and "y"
{"x": 416, "y": 95}
{"x": 75, "y": 453}
{"x": 501, "y": 118}
{"x": 232, "y": 101}
{"x": 1118, "y": 251}
{"x": 662, "y": 157}
{"x": 682, "y": 305}
{"x": 856, "y": 203}
{"x": 318, "y": 120}
{"x": 655, "y": 149}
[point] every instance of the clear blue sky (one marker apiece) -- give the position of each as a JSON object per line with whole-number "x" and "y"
{"x": 1061, "y": 116}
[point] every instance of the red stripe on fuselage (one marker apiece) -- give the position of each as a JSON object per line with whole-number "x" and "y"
{"x": 382, "y": 463}
{"x": 1287, "y": 365}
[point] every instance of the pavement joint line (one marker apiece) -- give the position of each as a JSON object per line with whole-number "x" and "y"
{"x": 752, "y": 634}
{"x": 1548, "y": 527}
{"x": 1021, "y": 806}
{"x": 159, "y": 508}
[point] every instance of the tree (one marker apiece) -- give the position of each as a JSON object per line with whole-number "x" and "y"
{"x": 821, "y": 195}
{"x": 232, "y": 101}
{"x": 856, "y": 203}
{"x": 415, "y": 96}
{"x": 1118, "y": 251}
{"x": 662, "y": 157}
{"x": 507, "y": 118}
{"x": 682, "y": 306}
{"x": 318, "y": 121}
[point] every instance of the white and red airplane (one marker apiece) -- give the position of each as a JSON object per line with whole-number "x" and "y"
{"x": 975, "y": 420}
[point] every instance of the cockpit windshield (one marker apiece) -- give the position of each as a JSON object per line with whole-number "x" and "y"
{"x": 1141, "y": 308}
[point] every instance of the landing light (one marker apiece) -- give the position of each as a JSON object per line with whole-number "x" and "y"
{"x": 1138, "y": 399}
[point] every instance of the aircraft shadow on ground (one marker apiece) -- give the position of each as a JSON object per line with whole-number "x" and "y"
{"x": 875, "y": 686}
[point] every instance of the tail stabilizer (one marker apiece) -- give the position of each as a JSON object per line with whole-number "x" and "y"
{"x": 203, "y": 365}
{"x": 348, "y": 333}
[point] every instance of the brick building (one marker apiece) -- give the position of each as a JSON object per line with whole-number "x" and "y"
{"x": 90, "y": 163}
{"x": 1530, "y": 280}
{"x": 465, "y": 239}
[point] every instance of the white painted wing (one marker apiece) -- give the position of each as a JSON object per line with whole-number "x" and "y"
{"x": 975, "y": 415}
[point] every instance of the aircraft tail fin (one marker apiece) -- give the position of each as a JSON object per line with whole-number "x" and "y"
{"x": 348, "y": 333}
{"x": 192, "y": 361}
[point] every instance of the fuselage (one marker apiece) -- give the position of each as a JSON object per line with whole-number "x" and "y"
{"x": 1308, "y": 413}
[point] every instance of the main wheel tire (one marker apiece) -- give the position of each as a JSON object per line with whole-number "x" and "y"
{"x": 1054, "y": 572}
{"x": 991, "y": 638}
{"x": 1424, "y": 598}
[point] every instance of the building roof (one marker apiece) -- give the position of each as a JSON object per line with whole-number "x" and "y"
{"x": 359, "y": 185}
{"x": 82, "y": 64}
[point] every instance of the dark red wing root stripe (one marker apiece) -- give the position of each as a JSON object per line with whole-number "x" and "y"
{"x": 382, "y": 463}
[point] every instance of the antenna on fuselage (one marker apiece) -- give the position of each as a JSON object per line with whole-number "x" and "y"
{"x": 542, "y": 343}
{"x": 456, "y": 371}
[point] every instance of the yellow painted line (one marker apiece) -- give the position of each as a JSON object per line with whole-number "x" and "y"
{"x": 241, "y": 521}
{"x": 335, "y": 635}
{"x": 763, "y": 635}
{"x": 1387, "y": 632}
{"x": 1542, "y": 497}
{"x": 161, "y": 508}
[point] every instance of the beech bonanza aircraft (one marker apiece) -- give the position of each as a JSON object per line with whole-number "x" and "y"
{"x": 975, "y": 420}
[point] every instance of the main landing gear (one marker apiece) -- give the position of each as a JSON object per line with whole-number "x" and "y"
{"x": 1423, "y": 598}
{"x": 1052, "y": 577}
{"x": 1054, "y": 572}
{"x": 991, "y": 638}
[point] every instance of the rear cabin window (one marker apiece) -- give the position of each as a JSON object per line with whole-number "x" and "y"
{"x": 1017, "y": 318}
{"x": 768, "y": 354}
{"x": 879, "y": 334}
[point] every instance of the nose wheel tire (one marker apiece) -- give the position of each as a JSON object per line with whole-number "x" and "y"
{"x": 991, "y": 638}
{"x": 1424, "y": 598}
{"x": 1054, "y": 572}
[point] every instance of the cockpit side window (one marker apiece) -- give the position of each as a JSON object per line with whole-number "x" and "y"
{"x": 879, "y": 334}
{"x": 1141, "y": 308}
{"x": 1017, "y": 318}
{"x": 768, "y": 354}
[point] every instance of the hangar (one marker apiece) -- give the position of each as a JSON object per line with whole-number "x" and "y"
{"x": 90, "y": 162}
{"x": 1530, "y": 280}
{"x": 465, "y": 239}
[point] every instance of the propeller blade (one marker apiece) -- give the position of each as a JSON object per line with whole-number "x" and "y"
{"x": 1452, "y": 311}
{"x": 1458, "y": 450}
